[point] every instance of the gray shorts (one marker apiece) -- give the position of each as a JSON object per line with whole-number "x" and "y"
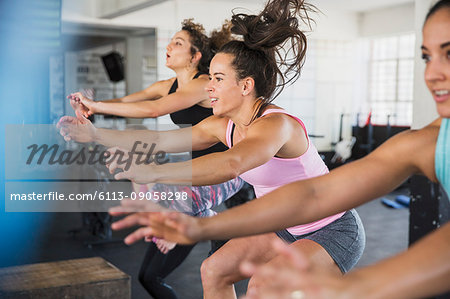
{"x": 344, "y": 239}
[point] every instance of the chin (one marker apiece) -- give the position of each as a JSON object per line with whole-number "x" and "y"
{"x": 444, "y": 111}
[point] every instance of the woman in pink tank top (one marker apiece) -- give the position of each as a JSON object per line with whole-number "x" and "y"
{"x": 268, "y": 147}
{"x": 421, "y": 271}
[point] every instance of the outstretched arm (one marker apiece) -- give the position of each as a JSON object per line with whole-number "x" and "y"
{"x": 81, "y": 129}
{"x": 264, "y": 140}
{"x": 343, "y": 188}
{"x": 305, "y": 201}
{"x": 191, "y": 94}
{"x": 85, "y": 105}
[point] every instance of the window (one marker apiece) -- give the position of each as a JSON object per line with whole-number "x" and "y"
{"x": 391, "y": 71}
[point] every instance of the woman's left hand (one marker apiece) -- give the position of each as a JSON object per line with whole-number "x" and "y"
{"x": 131, "y": 165}
{"x": 296, "y": 279}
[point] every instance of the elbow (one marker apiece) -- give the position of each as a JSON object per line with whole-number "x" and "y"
{"x": 152, "y": 113}
{"x": 233, "y": 168}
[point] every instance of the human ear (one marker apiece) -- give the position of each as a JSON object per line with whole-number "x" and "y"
{"x": 196, "y": 57}
{"x": 248, "y": 84}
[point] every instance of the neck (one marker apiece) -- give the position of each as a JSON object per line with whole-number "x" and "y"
{"x": 185, "y": 75}
{"x": 246, "y": 111}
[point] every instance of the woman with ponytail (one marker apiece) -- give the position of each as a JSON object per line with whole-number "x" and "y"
{"x": 183, "y": 97}
{"x": 268, "y": 148}
{"x": 422, "y": 271}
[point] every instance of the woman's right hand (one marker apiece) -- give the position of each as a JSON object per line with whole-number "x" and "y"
{"x": 81, "y": 103}
{"x": 163, "y": 245}
{"x": 77, "y": 128}
{"x": 171, "y": 226}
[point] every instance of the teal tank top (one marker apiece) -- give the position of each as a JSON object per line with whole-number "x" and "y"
{"x": 442, "y": 155}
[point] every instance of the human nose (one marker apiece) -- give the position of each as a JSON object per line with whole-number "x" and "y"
{"x": 434, "y": 70}
{"x": 209, "y": 86}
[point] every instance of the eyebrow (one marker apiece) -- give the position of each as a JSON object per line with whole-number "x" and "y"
{"x": 180, "y": 38}
{"x": 442, "y": 46}
{"x": 218, "y": 73}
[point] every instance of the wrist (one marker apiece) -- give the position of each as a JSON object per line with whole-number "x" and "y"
{"x": 95, "y": 135}
{"x": 361, "y": 285}
{"x": 201, "y": 232}
{"x": 95, "y": 107}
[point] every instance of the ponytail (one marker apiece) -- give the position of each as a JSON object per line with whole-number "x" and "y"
{"x": 272, "y": 49}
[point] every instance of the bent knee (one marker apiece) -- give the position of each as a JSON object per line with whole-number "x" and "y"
{"x": 216, "y": 271}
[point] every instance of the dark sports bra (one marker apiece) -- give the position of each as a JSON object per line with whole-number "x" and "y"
{"x": 192, "y": 116}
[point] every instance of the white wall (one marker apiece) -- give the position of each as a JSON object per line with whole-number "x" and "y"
{"x": 396, "y": 19}
{"x": 332, "y": 54}
{"x": 424, "y": 108}
{"x": 169, "y": 15}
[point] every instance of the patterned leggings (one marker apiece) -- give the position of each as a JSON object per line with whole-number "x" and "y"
{"x": 200, "y": 199}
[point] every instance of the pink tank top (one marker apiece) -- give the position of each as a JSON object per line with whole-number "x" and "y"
{"x": 280, "y": 171}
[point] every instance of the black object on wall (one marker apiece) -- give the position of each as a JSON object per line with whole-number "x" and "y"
{"x": 113, "y": 63}
{"x": 371, "y": 136}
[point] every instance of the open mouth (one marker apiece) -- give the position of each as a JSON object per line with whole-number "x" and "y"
{"x": 214, "y": 100}
{"x": 441, "y": 92}
{"x": 441, "y": 95}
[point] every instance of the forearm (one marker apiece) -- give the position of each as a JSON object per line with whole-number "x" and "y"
{"x": 145, "y": 140}
{"x": 269, "y": 213}
{"x": 301, "y": 202}
{"x": 141, "y": 109}
{"x": 202, "y": 171}
{"x": 421, "y": 271}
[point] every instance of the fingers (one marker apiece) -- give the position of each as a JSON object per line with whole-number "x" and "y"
{"x": 117, "y": 157}
{"x": 294, "y": 256}
{"x": 131, "y": 220}
{"x": 77, "y": 96}
{"x": 122, "y": 175}
{"x": 83, "y": 120}
{"x": 139, "y": 234}
{"x": 173, "y": 220}
{"x": 65, "y": 120}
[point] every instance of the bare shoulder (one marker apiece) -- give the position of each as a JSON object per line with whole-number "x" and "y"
{"x": 163, "y": 86}
{"x": 214, "y": 125}
{"x": 413, "y": 148}
{"x": 197, "y": 83}
{"x": 215, "y": 122}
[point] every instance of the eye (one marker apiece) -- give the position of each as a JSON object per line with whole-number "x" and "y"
{"x": 178, "y": 43}
{"x": 448, "y": 54}
{"x": 219, "y": 79}
{"x": 426, "y": 58}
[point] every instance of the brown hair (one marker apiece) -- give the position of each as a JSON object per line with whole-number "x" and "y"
{"x": 437, "y": 6}
{"x": 262, "y": 54}
{"x": 207, "y": 46}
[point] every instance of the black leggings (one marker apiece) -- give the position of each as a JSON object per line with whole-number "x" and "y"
{"x": 156, "y": 266}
